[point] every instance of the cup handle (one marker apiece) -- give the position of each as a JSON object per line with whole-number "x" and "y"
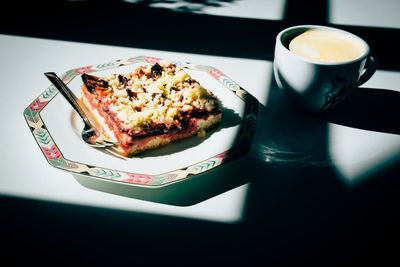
{"x": 370, "y": 69}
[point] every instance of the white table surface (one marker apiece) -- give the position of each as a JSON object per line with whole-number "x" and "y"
{"x": 25, "y": 172}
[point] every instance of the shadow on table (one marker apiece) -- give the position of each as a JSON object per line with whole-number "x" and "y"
{"x": 286, "y": 136}
{"x": 369, "y": 109}
{"x": 187, "y": 192}
{"x": 298, "y": 198}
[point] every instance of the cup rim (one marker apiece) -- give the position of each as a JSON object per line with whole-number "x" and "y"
{"x": 308, "y": 26}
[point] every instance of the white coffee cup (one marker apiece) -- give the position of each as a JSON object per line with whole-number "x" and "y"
{"x": 313, "y": 85}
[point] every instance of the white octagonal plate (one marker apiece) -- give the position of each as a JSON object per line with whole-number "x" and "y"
{"x": 56, "y": 129}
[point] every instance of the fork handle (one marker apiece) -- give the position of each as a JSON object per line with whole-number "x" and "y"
{"x": 68, "y": 94}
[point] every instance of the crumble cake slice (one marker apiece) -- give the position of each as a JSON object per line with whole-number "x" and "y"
{"x": 150, "y": 107}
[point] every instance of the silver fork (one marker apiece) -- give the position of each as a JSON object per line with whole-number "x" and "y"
{"x": 89, "y": 133}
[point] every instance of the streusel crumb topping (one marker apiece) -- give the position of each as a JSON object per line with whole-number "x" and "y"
{"x": 157, "y": 93}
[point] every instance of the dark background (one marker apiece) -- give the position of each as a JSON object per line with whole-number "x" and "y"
{"x": 296, "y": 214}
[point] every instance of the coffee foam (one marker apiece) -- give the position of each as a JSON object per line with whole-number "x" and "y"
{"x": 326, "y": 46}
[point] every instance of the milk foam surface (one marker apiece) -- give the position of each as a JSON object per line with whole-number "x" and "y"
{"x": 326, "y": 46}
